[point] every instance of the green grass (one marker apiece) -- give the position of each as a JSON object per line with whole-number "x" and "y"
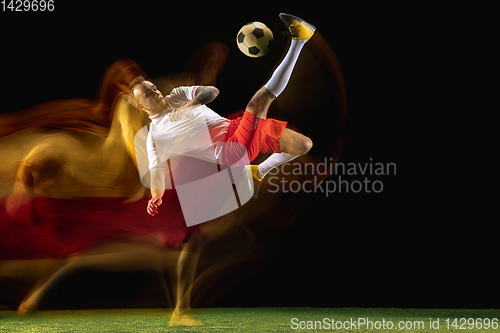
{"x": 235, "y": 320}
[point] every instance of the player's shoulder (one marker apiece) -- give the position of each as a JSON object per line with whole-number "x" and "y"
{"x": 184, "y": 88}
{"x": 184, "y": 91}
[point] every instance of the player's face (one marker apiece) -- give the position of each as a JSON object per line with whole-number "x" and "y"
{"x": 148, "y": 95}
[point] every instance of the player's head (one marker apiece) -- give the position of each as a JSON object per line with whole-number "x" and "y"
{"x": 147, "y": 96}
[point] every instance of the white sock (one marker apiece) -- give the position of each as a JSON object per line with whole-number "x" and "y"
{"x": 273, "y": 161}
{"x": 282, "y": 73}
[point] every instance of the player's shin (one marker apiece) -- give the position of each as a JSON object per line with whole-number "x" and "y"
{"x": 283, "y": 72}
{"x": 274, "y": 161}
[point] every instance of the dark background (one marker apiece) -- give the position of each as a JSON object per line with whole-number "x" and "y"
{"x": 404, "y": 247}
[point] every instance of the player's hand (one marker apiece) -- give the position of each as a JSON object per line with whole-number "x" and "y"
{"x": 153, "y": 205}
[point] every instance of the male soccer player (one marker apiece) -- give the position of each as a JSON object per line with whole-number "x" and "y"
{"x": 182, "y": 119}
{"x": 181, "y": 123}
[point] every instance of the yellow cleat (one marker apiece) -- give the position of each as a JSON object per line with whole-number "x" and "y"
{"x": 253, "y": 172}
{"x": 297, "y": 27}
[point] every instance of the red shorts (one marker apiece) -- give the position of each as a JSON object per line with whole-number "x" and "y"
{"x": 256, "y": 134}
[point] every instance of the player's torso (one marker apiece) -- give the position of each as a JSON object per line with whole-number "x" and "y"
{"x": 185, "y": 132}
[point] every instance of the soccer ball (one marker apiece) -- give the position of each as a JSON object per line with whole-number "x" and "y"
{"x": 255, "y": 39}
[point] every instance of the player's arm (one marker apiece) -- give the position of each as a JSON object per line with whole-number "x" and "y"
{"x": 157, "y": 183}
{"x": 157, "y": 173}
{"x": 203, "y": 95}
{"x": 157, "y": 190}
{"x": 155, "y": 201}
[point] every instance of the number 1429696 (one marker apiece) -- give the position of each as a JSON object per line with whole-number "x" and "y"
{"x": 28, "y": 5}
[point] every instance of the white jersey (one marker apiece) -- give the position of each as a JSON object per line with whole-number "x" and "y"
{"x": 205, "y": 190}
{"x": 189, "y": 132}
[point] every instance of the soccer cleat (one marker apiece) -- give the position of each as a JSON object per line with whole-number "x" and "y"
{"x": 297, "y": 27}
{"x": 253, "y": 171}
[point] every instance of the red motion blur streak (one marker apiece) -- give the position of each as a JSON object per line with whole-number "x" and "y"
{"x": 48, "y": 227}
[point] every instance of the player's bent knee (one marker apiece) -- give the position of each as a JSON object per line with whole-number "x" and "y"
{"x": 306, "y": 145}
{"x": 260, "y": 102}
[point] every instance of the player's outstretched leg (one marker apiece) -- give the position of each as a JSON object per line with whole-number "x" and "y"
{"x": 292, "y": 143}
{"x": 301, "y": 32}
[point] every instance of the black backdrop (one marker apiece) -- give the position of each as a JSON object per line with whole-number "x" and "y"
{"x": 396, "y": 248}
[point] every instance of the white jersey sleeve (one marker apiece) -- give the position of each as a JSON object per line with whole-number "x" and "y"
{"x": 157, "y": 169}
{"x": 153, "y": 156}
{"x": 181, "y": 95}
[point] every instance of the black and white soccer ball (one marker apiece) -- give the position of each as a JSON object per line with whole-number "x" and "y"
{"x": 255, "y": 39}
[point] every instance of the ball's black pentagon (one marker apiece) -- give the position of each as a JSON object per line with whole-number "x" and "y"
{"x": 258, "y": 32}
{"x": 241, "y": 37}
{"x": 254, "y": 50}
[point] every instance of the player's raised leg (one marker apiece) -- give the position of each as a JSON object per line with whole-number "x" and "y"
{"x": 293, "y": 144}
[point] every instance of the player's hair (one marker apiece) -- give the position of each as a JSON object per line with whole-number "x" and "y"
{"x": 136, "y": 81}
{"x": 131, "y": 98}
